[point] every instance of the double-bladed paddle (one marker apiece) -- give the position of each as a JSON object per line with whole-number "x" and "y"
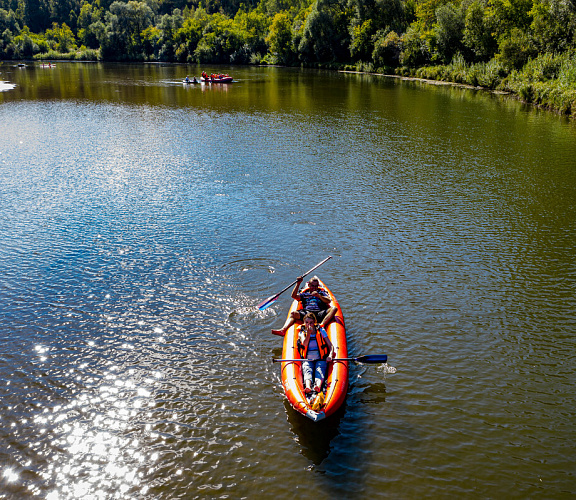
{"x": 369, "y": 358}
{"x": 270, "y": 300}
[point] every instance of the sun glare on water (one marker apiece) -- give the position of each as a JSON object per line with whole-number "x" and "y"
{"x": 93, "y": 444}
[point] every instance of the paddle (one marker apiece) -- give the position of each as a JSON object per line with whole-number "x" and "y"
{"x": 369, "y": 358}
{"x": 270, "y": 300}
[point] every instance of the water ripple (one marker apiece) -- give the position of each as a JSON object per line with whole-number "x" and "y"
{"x": 135, "y": 247}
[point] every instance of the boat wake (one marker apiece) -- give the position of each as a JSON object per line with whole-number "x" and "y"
{"x": 6, "y": 86}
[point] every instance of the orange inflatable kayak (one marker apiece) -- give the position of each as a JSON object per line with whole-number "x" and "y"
{"x": 336, "y": 384}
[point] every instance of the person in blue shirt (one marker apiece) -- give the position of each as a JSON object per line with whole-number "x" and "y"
{"x": 316, "y": 350}
{"x": 315, "y": 300}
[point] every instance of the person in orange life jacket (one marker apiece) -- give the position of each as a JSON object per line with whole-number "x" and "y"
{"x": 314, "y": 300}
{"x": 316, "y": 349}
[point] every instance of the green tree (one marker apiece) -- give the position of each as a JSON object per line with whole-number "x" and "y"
{"x": 415, "y": 47}
{"x": 382, "y": 13}
{"x": 35, "y": 14}
{"x": 6, "y": 45}
{"x": 478, "y": 33}
{"x": 507, "y": 15}
{"x": 8, "y": 21}
{"x": 189, "y": 35}
{"x": 325, "y": 35}
{"x": 227, "y": 7}
{"x": 273, "y": 7}
{"x": 387, "y": 49}
{"x": 362, "y": 44}
{"x": 125, "y": 25}
{"x": 168, "y": 27}
{"x": 88, "y": 32}
{"x": 65, "y": 11}
{"x": 220, "y": 41}
{"x": 553, "y": 25}
{"x": 425, "y": 12}
{"x": 516, "y": 49}
{"x": 151, "y": 40}
{"x": 26, "y": 44}
{"x": 62, "y": 38}
{"x": 419, "y": 40}
{"x": 280, "y": 38}
{"x": 254, "y": 26}
{"x": 391, "y": 14}
{"x": 449, "y": 31}
{"x": 369, "y": 18}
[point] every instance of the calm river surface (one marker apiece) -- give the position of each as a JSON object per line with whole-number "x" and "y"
{"x": 141, "y": 221}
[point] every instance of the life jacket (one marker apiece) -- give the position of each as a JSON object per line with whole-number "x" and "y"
{"x": 320, "y": 340}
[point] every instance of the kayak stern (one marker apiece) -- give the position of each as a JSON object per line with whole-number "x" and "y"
{"x": 315, "y": 416}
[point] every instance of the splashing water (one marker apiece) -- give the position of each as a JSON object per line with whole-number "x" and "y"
{"x": 386, "y": 368}
{"x": 389, "y": 369}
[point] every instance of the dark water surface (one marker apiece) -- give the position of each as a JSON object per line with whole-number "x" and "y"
{"x": 141, "y": 220}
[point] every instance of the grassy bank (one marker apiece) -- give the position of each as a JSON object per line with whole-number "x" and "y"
{"x": 83, "y": 54}
{"x": 548, "y": 81}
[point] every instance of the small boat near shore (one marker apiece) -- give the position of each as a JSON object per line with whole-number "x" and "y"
{"x": 336, "y": 383}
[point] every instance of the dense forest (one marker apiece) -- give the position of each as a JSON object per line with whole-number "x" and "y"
{"x": 527, "y": 47}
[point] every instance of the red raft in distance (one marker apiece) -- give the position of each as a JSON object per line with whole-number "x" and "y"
{"x": 219, "y": 78}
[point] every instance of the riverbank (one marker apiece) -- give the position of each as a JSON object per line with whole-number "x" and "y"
{"x": 547, "y": 82}
{"x": 430, "y": 82}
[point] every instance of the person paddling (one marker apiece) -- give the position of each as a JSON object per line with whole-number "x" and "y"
{"x": 316, "y": 349}
{"x": 314, "y": 300}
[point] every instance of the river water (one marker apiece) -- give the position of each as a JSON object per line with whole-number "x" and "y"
{"x": 142, "y": 220}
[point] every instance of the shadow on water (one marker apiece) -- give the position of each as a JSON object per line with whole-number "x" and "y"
{"x": 341, "y": 450}
{"x": 315, "y": 437}
{"x": 338, "y": 448}
{"x": 374, "y": 393}
{"x": 346, "y": 468}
